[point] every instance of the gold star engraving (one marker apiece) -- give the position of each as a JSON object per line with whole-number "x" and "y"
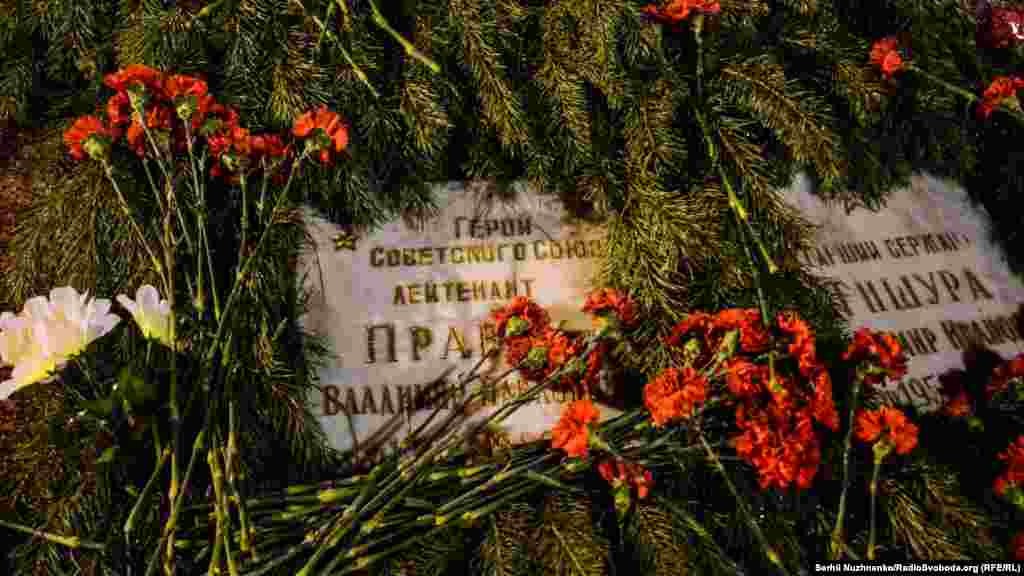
{"x": 345, "y": 241}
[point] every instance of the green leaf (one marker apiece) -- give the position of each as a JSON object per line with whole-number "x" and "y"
{"x": 104, "y": 407}
{"x": 107, "y": 456}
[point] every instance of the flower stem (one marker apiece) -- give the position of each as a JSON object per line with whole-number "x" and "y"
{"x": 874, "y": 505}
{"x": 73, "y": 542}
{"x": 129, "y": 525}
{"x": 969, "y": 96}
{"x": 344, "y": 53}
{"x": 172, "y": 521}
{"x": 837, "y": 532}
{"x": 772, "y": 555}
{"x": 135, "y": 225}
{"x": 244, "y": 271}
{"x": 409, "y": 48}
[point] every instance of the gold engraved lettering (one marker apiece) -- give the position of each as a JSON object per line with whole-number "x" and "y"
{"x": 460, "y": 345}
{"x": 422, "y": 338}
{"x": 377, "y": 257}
{"x": 386, "y": 407}
{"x": 369, "y": 404}
{"x": 415, "y": 294}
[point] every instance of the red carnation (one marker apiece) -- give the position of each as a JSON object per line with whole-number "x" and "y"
{"x": 674, "y": 394}
{"x": 1014, "y": 475}
{"x": 179, "y": 86}
{"x": 136, "y": 75}
{"x": 1002, "y": 91}
{"x": 611, "y": 301}
{"x": 886, "y": 57}
{"x": 803, "y": 347}
{"x": 88, "y": 135}
{"x": 331, "y": 129}
{"x": 744, "y": 378}
{"x": 889, "y": 424}
{"x": 677, "y": 11}
{"x": 883, "y": 353}
{"x": 823, "y": 405}
{"x": 524, "y": 315}
{"x": 572, "y": 432}
{"x": 618, "y": 472}
{"x": 753, "y": 335}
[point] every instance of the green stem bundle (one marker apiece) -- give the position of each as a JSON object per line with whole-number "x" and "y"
{"x": 836, "y": 546}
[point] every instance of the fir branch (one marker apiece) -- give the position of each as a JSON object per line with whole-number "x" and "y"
{"x": 854, "y": 81}
{"x": 802, "y": 7}
{"x": 659, "y": 542}
{"x": 503, "y": 551}
{"x": 567, "y": 542}
{"x": 745, "y": 8}
{"x": 928, "y": 512}
{"x": 500, "y": 107}
{"x": 912, "y": 526}
{"x": 130, "y": 40}
{"x": 425, "y": 113}
{"x": 15, "y": 87}
{"x": 796, "y": 116}
{"x": 597, "y": 56}
{"x": 651, "y": 147}
{"x": 787, "y": 229}
{"x": 298, "y": 81}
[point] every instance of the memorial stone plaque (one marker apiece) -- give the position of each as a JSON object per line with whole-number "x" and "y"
{"x": 922, "y": 267}
{"x": 408, "y": 306}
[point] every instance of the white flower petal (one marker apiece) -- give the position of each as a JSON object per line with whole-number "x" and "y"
{"x": 37, "y": 308}
{"x": 7, "y": 387}
{"x": 127, "y": 303}
{"x": 148, "y": 298}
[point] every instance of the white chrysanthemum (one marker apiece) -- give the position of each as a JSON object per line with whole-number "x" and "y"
{"x": 48, "y": 332}
{"x": 152, "y": 314}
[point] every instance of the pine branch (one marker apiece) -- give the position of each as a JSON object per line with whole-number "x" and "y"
{"x": 796, "y": 116}
{"x": 503, "y": 551}
{"x": 436, "y": 556}
{"x": 562, "y": 84}
{"x": 499, "y": 105}
{"x": 15, "y": 87}
{"x": 928, "y": 513}
{"x": 783, "y": 225}
{"x": 298, "y": 81}
{"x": 568, "y": 543}
{"x": 802, "y": 7}
{"x": 745, "y": 9}
{"x": 658, "y": 541}
{"x": 425, "y": 113}
{"x": 597, "y": 55}
{"x": 651, "y": 146}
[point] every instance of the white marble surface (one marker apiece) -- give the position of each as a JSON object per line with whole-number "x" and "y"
{"x": 351, "y": 293}
{"x": 940, "y": 290}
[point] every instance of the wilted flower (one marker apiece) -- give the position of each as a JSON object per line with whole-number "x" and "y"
{"x": 152, "y": 314}
{"x": 47, "y": 332}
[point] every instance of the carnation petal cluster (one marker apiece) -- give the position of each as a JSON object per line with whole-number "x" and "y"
{"x": 886, "y": 57}
{"x": 572, "y": 432}
{"x": 888, "y": 424}
{"x": 151, "y": 314}
{"x": 882, "y": 352}
{"x": 49, "y": 331}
